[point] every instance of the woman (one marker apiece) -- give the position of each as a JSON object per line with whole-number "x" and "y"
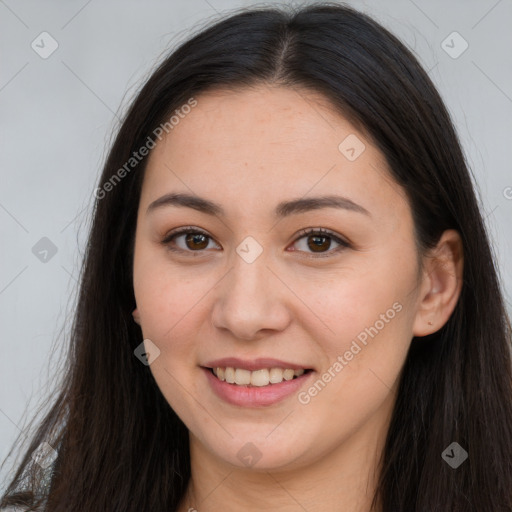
{"x": 289, "y": 298}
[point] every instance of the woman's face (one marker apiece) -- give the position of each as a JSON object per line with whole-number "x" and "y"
{"x": 251, "y": 291}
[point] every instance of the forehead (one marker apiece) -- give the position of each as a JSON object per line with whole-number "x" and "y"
{"x": 254, "y": 146}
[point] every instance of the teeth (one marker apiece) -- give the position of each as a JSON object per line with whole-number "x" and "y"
{"x": 242, "y": 377}
{"x": 260, "y": 377}
{"x": 229, "y": 375}
{"x": 257, "y": 378}
{"x": 276, "y": 375}
{"x": 288, "y": 374}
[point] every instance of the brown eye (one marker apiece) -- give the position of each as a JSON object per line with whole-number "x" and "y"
{"x": 319, "y": 241}
{"x": 193, "y": 240}
{"x": 196, "y": 241}
{"x": 316, "y": 241}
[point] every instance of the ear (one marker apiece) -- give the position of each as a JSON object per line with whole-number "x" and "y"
{"x": 136, "y": 316}
{"x": 441, "y": 284}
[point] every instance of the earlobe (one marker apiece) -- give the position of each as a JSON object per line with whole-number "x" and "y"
{"x": 136, "y": 316}
{"x": 441, "y": 284}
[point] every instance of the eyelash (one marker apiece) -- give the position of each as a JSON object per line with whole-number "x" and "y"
{"x": 302, "y": 234}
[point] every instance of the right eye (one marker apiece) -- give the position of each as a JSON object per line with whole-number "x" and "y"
{"x": 194, "y": 240}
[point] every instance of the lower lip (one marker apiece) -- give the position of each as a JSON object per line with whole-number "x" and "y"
{"x": 254, "y": 396}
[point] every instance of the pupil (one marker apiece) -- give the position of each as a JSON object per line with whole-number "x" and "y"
{"x": 317, "y": 243}
{"x": 194, "y": 239}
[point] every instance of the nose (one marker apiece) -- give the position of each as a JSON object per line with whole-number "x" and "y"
{"x": 251, "y": 301}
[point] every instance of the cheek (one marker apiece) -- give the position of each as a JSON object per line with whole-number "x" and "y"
{"x": 351, "y": 302}
{"x": 369, "y": 319}
{"x": 170, "y": 305}
{"x": 166, "y": 294}
{"x": 362, "y": 364}
{"x": 169, "y": 313}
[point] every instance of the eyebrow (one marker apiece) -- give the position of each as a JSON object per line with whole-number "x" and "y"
{"x": 283, "y": 209}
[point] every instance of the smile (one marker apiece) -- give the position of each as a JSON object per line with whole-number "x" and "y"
{"x": 255, "y": 388}
{"x": 257, "y": 378}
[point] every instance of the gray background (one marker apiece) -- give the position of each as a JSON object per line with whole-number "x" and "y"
{"x": 57, "y": 116}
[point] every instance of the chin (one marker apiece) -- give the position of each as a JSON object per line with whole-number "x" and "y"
{"x": 258, "y": 452}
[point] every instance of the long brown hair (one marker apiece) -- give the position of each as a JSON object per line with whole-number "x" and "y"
{"x": 119, "y": 444}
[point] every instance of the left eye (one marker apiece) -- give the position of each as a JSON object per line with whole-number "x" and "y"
{"x": 317, "y": 240}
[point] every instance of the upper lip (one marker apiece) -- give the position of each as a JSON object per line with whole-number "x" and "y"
{"x": 253, "y": 364}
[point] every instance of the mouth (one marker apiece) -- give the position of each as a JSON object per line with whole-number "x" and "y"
{"x": 256, "y": 378}
{"x": 260, "y": 382}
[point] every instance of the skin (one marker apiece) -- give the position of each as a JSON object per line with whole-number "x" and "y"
{"x": 248, "y": 150}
